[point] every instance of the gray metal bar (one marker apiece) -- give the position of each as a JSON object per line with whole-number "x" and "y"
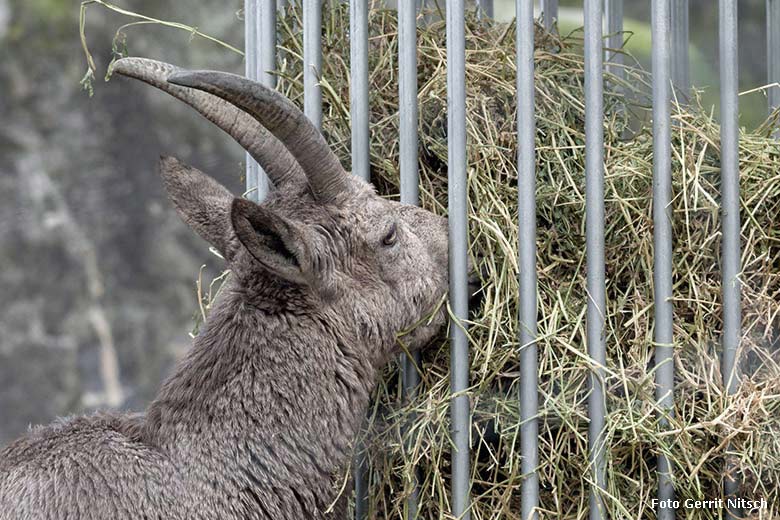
{"x": 729, "y": 171}
{"x": 549, "y": 13}
{"x": 407, "y": 96}
{"x": 267, "y": 38}
{"x": 458, "y": 238}
{"x": 361, "y": 483}
{"x": 662, "y": 240}
{"x": 410, "y": 190}
{"x": 681, "y": 74}
{"x": 358, "y": 98}
{"x": 312, "y": 101}
{"x": 730, "y": 187}
{"x": 614, "y": 20}
{"x": 594, "y": 240}
{"x": 361, "y": 165}
{"x": 312, "y": 60}
{"x": 260, "y": 56}
{"x": 251, "y": 67}
{"x": 773, "y": 53}
{"x": 526, "y": 202}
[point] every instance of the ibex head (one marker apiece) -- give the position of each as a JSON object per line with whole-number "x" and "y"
{"x": 323, "y": 242}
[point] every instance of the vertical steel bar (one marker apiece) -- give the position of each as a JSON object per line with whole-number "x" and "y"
{"x": 312, "y": 60}
{"x": 526, "y": 202}
{"x": 773, "y": 54}
{"x": 549, "y": 13}
{"x": 594, "y": 231}
{"x": 458, "y": 235}
{"x": 312, "y": 100}
{"x": 662, "y": 241}
{"x": 407, "y": 96}
{"x": 361, "y": 166}
{"x": 614, "y": 21}
{"x": 361, "y": 483}
{"x": 729, "y": 171}
{"x": 266, "y": 65}
{"x": 267, "y": 38}
{"x": 358, "y": 99}
{"x": 410, "y": 194}
{"x": 681, "y": 75}
{"x": 251, "y": 23}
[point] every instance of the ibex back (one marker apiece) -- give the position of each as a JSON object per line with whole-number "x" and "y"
{"x": 261, "y": 413}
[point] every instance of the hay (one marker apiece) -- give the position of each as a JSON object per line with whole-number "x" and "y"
{"x": 705, "y": 419}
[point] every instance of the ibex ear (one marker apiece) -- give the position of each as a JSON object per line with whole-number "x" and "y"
{"x": 279, "y": 245}
{"x": 201, "y": 202}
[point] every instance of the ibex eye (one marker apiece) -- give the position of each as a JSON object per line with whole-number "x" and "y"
{"x": 391, "y": 237}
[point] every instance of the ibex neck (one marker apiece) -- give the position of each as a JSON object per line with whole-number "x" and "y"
{"x": 274, "y": 399}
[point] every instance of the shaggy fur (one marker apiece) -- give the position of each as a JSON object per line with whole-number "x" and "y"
{"x": 261, "y": 414}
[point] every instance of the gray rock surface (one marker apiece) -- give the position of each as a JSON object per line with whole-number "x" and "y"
{"x": 98, "y": 274}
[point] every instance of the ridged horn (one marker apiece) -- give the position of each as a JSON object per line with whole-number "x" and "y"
{"x": 278, "y": 163}
{"x": 283, "y": 119}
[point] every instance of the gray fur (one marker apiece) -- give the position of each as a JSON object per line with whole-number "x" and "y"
{"x": 258, "y": 419}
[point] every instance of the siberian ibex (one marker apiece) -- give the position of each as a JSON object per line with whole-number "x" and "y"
{"x": 261, "y": 413}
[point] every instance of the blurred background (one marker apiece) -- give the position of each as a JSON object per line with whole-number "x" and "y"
{"x": 98, "y": 273}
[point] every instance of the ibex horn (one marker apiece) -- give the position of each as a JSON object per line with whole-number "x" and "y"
{"x": 278, "y": 163}
{"x": 282, "y": 118}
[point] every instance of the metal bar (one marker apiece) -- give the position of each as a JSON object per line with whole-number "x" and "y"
{"x": 407, "y": 96}
{"x": 681, "y": 74}
{"x": 594, "y": 240}
{"x": 773, "y": 54}
{"x": 260, "y": 47}
{"x": 526, "y": 202}
{"x": 361, "y": 166}
{"x": 729, "y": 171}
{"x": 361, "y": 483}
{"x": 614, "y": 20}
{"x": 312, "y": 60}
{"x": 549, "y": 13}
{"x": 458, "y": 254}
{"x": 358, "y": 99}
{"x": 410, "y": 191}
{"x": 662, "y": 241}
{"x": 358, "y": 110}
{"x": 267, "y": 39}
{"x": 251, "y": 67}
{"x": 730, "y": 187}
